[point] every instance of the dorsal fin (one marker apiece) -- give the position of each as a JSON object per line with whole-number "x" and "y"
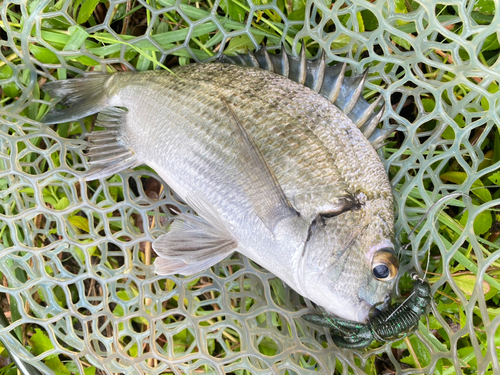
{"x": 329, "y": 81}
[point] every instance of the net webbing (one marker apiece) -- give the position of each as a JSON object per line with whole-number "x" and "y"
{"x": 74, "y": 254}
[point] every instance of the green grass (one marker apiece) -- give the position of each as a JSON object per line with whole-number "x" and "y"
{"x": 61, "y": 49}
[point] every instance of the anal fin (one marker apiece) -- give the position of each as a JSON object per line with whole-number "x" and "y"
{"x": 107, "y": 155}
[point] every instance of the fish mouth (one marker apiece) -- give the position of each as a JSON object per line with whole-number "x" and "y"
{"x": 364, "y": 311}
{"x": 367, "y": 310}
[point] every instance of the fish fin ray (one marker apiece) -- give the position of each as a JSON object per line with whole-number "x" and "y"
{"x": 106, "y": 154}
{"x": 84, "y": 96}
{"x": 329, "y": 81}
{"x": 264, "y": 59}
{"x": 166, "y": 266}
{"x": 194, "y": 243}
{"x": 262, "y": 187}
{"x": 377, "y": 139}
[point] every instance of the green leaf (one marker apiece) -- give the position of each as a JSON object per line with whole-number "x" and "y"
{"x": 492, "y": 88}
{"x": 342, "y": 41}
{"x": 468, "y": 352}
{"x": 401, "y": 42}
{"x": 369, "y": 20}
{"x": 477, "y": 187}
{"x": 76, "y": 39}
{"x": 298, "y": 4}
{"x": 485, "y": 6}
{"x": 423, "y": 355}
{"x": 78, "y": 253}
{"x": 481, "y": 18}
{"x": 361, "y": 24}
{"x": 490, "y": 43}
{"x": 11, "y": 90}
{"x": 128, "y": 294}
{"x": 118, "y": 311}
{"x": 482, "y": 222}
{"x": 400, "y": 6}
{"x": 6, "y": 72}
{"x": 71, "y": 366}
{"x": 268, "y": 347}
{"x": 495, "y": 178}
{"x": 434, "y": 323}
{"x": 460, "y": 120}
{"x": 496, "y": 146}
{"x": 448, "y": 133}
{"x": 43, "y": 54}
{"x": 241, "y": 44}
{"x": 297, "y": 15}
{"x": 40, "y": 342}
{"x": 87, "y": 61}
{"x": 62, "y": 204}
{"x": 79, "y": 222}
{"x": 466, "y": 283}
{"x": 492, "y": 293}
{"x": 133, "y": 351}
{"x": 16, "y": 315}
{"x": 49, "y": 199}
{"x": 143, "y": 62}
{"x": 429, "y": 104}
{"x": 55, "y": 364}
{"x": 235, "y": 11}
{"x": 86, "y": 10}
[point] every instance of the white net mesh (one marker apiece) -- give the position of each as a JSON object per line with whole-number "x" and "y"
{"x": 75, "y": 255}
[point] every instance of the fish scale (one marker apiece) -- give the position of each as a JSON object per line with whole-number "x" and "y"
{"x": 273, "y": 169}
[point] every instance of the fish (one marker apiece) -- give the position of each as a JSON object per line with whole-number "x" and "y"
{"x": 276, "y": 155}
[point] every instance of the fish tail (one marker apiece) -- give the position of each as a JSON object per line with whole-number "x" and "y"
{"x": 86, "y": 96}
{"x": 82, "y": 96}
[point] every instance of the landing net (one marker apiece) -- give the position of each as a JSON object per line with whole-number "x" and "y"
{"x": 76, "y": 256}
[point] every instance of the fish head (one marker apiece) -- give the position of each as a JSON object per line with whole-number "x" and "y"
{"x": 349, "y": 266}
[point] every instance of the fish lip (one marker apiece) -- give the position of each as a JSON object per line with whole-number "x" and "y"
{"x": 384, "y": 305}
{"x": 363, "y": 311}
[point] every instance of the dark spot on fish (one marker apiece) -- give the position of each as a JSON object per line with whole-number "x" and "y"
{"x": 311, "y": 230}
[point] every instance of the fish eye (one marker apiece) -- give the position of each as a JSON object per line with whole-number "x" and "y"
{"x": 381, "y": 271}
{"x": 385, "y": 264}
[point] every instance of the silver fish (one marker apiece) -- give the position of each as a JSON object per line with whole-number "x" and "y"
{"x": 273, "y": 169}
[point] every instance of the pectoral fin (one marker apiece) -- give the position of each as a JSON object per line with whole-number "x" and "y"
{"x": 261, "y": 186}
{"x": 193, "y": 243}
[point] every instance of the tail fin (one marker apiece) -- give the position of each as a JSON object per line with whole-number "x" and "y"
{"x": 83, "y": 96}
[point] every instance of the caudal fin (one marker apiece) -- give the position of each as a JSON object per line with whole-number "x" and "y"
{"x": 83, "y": 96}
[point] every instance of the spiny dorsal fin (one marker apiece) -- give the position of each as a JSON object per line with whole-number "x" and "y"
{"x": 329, "y": 81}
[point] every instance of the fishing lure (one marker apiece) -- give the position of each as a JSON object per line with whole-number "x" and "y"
{"x": 399, "y": 319}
